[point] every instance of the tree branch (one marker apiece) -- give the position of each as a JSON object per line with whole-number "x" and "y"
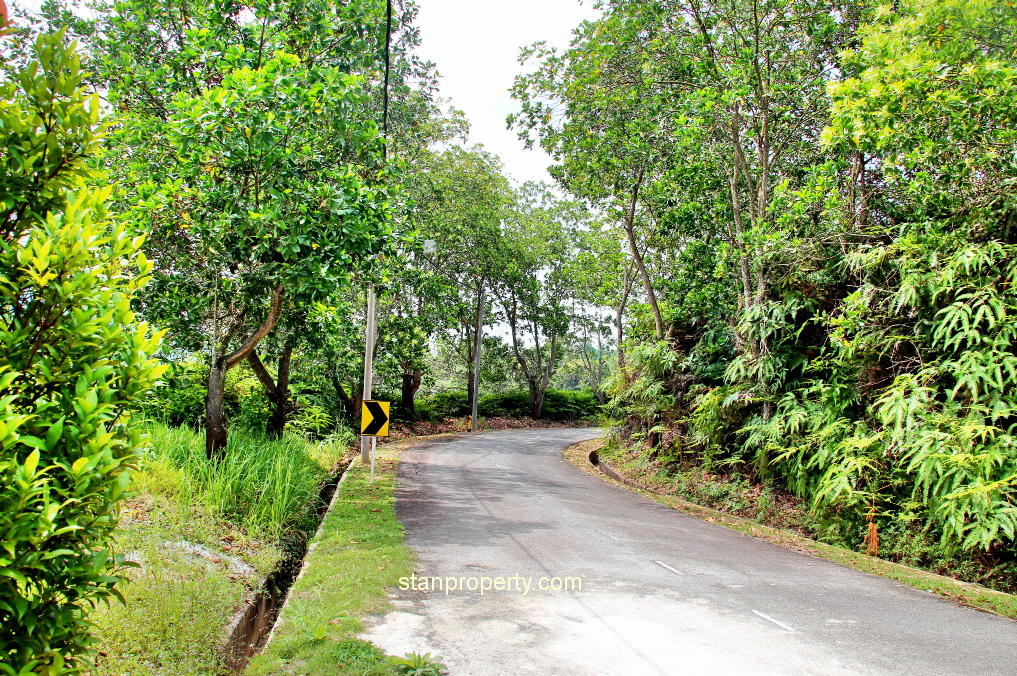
{"x": 274, "y": 311}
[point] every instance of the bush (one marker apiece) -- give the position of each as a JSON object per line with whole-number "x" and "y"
{"x": 73, "y": 362}
{"x": 511, "y": 404}
{"x": 570, "y": 405}
{"x": 179, "y": 398}
{"x": 559, "y": 405}
{"x": 310, "y": 420}
{"x": 448, "y": 404}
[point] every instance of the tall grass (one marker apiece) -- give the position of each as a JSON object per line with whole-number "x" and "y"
{"x": 246, "y": 508}
{"x": 267, "y": 487}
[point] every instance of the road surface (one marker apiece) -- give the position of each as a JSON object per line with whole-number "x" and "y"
{"x": 658, "y": 591}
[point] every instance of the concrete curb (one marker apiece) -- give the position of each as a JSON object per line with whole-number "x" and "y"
{"x": 607, "y": 470}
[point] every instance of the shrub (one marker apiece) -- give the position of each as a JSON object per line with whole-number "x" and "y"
{"x": 448, "y": 404}
{"x": 310, "y": 420}
{"x": 560, "y": 405}
{"x": 73, "y": 362}
{"x": 511, "y": 404}
{"x": 569, "y": 405}
{"x": 179, "y": 398}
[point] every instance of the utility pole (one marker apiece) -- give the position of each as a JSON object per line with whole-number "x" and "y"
{"x": 372, "y": 300}
{"x": 372, "y": 319}
{"x": 476, "y": 356}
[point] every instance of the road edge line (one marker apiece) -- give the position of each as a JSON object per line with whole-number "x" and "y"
{"x": 963, "y": 593}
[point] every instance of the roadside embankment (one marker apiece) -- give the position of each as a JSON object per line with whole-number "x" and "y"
{"x": 205, "y": 540}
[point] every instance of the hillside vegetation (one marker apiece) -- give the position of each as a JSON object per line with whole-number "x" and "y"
{"x": 818, "y": 200}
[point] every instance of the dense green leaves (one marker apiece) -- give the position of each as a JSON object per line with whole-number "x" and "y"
{"x": 75, "y": 360}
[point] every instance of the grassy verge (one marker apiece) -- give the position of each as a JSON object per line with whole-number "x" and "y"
{"x": 965, "y": 593}
{"x": 357, "y": 554}
{"x": 204, "y": 536}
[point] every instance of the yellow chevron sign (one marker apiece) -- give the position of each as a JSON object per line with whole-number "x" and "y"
{"x": 374, "y": 419}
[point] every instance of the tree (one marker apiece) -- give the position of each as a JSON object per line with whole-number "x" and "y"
{"x": 460, "y": 197}
{"x": 260, "y": 191}
{"x": 259, "y": 125}
{"x": 682, "y": 115}
{"x": 532, "y": 286}
{"x": 258, "y": 171}
{"x": 601, "y": 279}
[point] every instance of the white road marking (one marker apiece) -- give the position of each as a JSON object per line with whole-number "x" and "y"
{"x": 776, "y": 622}
{"x": 676, "y": 572}
{"x": 842, "y": 621}
{"x": 607, "y": 534}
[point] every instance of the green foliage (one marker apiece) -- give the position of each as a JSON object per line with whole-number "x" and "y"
{"x": 415, "y": 664}
{"x": 306, "y": 220}
{"x": 832, "y": 248}
{"x": 179, "y": 397}
{"x": 562, "y": 405}
{"x": 75, "y": 362}
{"x": 447, "y": 404}
{"x": 202, "y": 544}
{"x": 247, "y": 149}
{"x": 514, "y": 403}
{"x": 641, "y": 390}
{"x": 310, "y": 420}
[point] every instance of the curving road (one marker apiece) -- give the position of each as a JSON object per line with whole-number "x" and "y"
{"x": 661, "y": 592}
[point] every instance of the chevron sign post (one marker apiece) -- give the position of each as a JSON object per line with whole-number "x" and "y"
{"x": 374, "y": 419}
{"x": 374, "y": 424}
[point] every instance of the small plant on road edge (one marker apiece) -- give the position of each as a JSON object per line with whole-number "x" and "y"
{"x": 415, "y": 664}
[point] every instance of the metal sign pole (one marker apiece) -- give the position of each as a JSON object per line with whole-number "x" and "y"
{"x": 476, "y": 359}
{"x": 372, "y": 311}
{"x": 374, "y": 453}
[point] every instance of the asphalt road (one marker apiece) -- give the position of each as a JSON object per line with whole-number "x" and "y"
{"x": 661, "y": 592}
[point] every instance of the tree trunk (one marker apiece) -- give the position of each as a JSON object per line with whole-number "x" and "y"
{"x": 280, "y": 395}
{"x": 472, "y": 362}
{"x": 351, "y": 404}
{"x": 599, "y": 390}
{"x": 411, "y": 383}
{"x": 277, "y": 390}
{"x": 538, "y": 406}
{"x": 215, "y": 415}
{"x": 546, "y": 378}
{"x": 469, "y": 389}
{"x": 629, "y": 224}
{"x": 536, "y": 398}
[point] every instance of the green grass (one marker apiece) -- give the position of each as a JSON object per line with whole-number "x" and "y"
{"x": 264, "y": 486}
{"x": 359, "y": 553}
{"x": 179, "y": 601}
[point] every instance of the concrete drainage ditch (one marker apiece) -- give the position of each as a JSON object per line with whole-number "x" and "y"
{"x": 251, "y": 626}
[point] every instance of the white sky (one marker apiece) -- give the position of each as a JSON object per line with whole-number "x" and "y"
{"x": 475, "y": 44}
